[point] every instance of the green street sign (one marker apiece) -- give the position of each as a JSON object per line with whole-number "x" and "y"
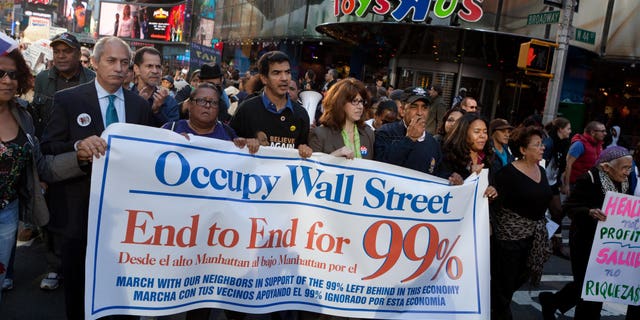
{"x": 585, "y": 36}
{"x": 544, "y": 18}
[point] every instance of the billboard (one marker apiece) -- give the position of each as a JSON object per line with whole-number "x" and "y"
{"x": 77, "y": 16}
{"x": 152, "y": 22}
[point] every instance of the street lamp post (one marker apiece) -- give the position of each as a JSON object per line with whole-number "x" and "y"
{"x": 555, "y": 84}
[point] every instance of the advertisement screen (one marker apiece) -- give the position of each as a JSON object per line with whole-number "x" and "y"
{"x": 77, "y": 16}
{"x": 44, "y": 2}
{"x": 159, "y": 22}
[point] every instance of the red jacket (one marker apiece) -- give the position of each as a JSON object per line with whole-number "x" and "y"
{"x": 592, "y": 149}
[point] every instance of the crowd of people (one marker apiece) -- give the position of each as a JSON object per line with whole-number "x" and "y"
{"x": 47, "y": 145}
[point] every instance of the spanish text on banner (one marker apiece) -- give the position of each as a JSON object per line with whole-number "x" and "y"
{"x": 613, "y": 272}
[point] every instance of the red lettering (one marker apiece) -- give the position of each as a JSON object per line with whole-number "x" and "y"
{"x": 471, "y": 11}
{"x": 132, "y": 226}
{"x": 255, "y": 232}
{"x": 602, "y": 255}
{"x": 382, "y": 7}
{"x": 188, "y": 232}
{"x": 348, "y": 6}
{"x": 610, "y": 208}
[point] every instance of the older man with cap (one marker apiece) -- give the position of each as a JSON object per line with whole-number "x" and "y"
{"x": 406, "y": 143}
{"x": 67, "y": 72}
{"x": 212, "y": 73}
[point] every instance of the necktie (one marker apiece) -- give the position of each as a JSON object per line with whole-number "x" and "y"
{"x": 112, "y": 115}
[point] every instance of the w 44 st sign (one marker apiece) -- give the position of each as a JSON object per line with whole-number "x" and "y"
{"x": 585, "y": 36}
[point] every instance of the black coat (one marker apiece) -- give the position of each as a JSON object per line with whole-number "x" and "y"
{"x": 69, "y": 199}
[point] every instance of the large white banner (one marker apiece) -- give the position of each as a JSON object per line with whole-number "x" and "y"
{"x": 179, "y": 224}
{"x": 613, "y": 272}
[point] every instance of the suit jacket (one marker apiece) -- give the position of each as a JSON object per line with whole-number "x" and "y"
{"x": 69, "y": 199}
{"x": 327, "y": 140}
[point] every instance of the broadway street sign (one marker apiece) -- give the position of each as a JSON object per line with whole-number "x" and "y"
{"x": 544, "y": 18}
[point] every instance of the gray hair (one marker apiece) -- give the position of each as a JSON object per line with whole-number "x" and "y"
{"x": 334, "y": 73}
{"x": 98, "y": 50}
{"x": 85, "y": 52}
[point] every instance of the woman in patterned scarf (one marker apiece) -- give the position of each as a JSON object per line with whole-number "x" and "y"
{"x": 611, "y": 173}
{"x": 519, "y": 245}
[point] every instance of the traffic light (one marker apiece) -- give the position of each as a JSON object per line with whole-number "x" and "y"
{"x": 536, "y": 56}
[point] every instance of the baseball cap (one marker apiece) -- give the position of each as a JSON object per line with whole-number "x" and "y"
{"x": 67, "y": 39}
{"x": 417, "y": 93}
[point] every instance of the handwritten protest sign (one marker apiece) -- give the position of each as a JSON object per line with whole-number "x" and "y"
{"x": 613, "y": 272}
{"x": 180, "y": 224}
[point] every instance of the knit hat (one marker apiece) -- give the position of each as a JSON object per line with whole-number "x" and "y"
{"x": 612, "y": 153}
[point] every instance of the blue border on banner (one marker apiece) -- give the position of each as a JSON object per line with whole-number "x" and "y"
{"x": 101, "y": 201}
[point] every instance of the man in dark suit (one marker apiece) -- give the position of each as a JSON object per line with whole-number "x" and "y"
{"x": 79, "y": 116}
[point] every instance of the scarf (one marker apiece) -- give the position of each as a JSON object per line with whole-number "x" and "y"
{"x": 609, "y": 185}
{"x": 512, "y": 226}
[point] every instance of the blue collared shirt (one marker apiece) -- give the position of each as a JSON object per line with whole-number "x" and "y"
{"x": 103, "y": 99}
{"x": 271, "y": 107}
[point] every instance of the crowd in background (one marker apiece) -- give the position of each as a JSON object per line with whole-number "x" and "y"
{"x": 532, "y": 166}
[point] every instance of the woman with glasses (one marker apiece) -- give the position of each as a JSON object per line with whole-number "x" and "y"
{"x": 610, "y": 173}
{"x": 203, "y": 106}
{"x": 448, "y": 121}
{"x": 343, "y": 132}
{"x": 519, "y": 245}
{"x": 85, "y": 57}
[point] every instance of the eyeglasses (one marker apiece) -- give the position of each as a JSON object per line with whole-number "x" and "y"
{"x": 204, "y": 102}
{"x": 603, "y": 130}
{"x": 84, "y": 61}
{"x": 537, "y": 145}
{"x": 357, "y": 101}
{"x": 13, "y": 75}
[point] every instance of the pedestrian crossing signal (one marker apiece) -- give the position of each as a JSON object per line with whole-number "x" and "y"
{"x": 536, "y": 57}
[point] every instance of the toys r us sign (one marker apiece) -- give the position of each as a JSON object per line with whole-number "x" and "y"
{"x": 468, "y": 10}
